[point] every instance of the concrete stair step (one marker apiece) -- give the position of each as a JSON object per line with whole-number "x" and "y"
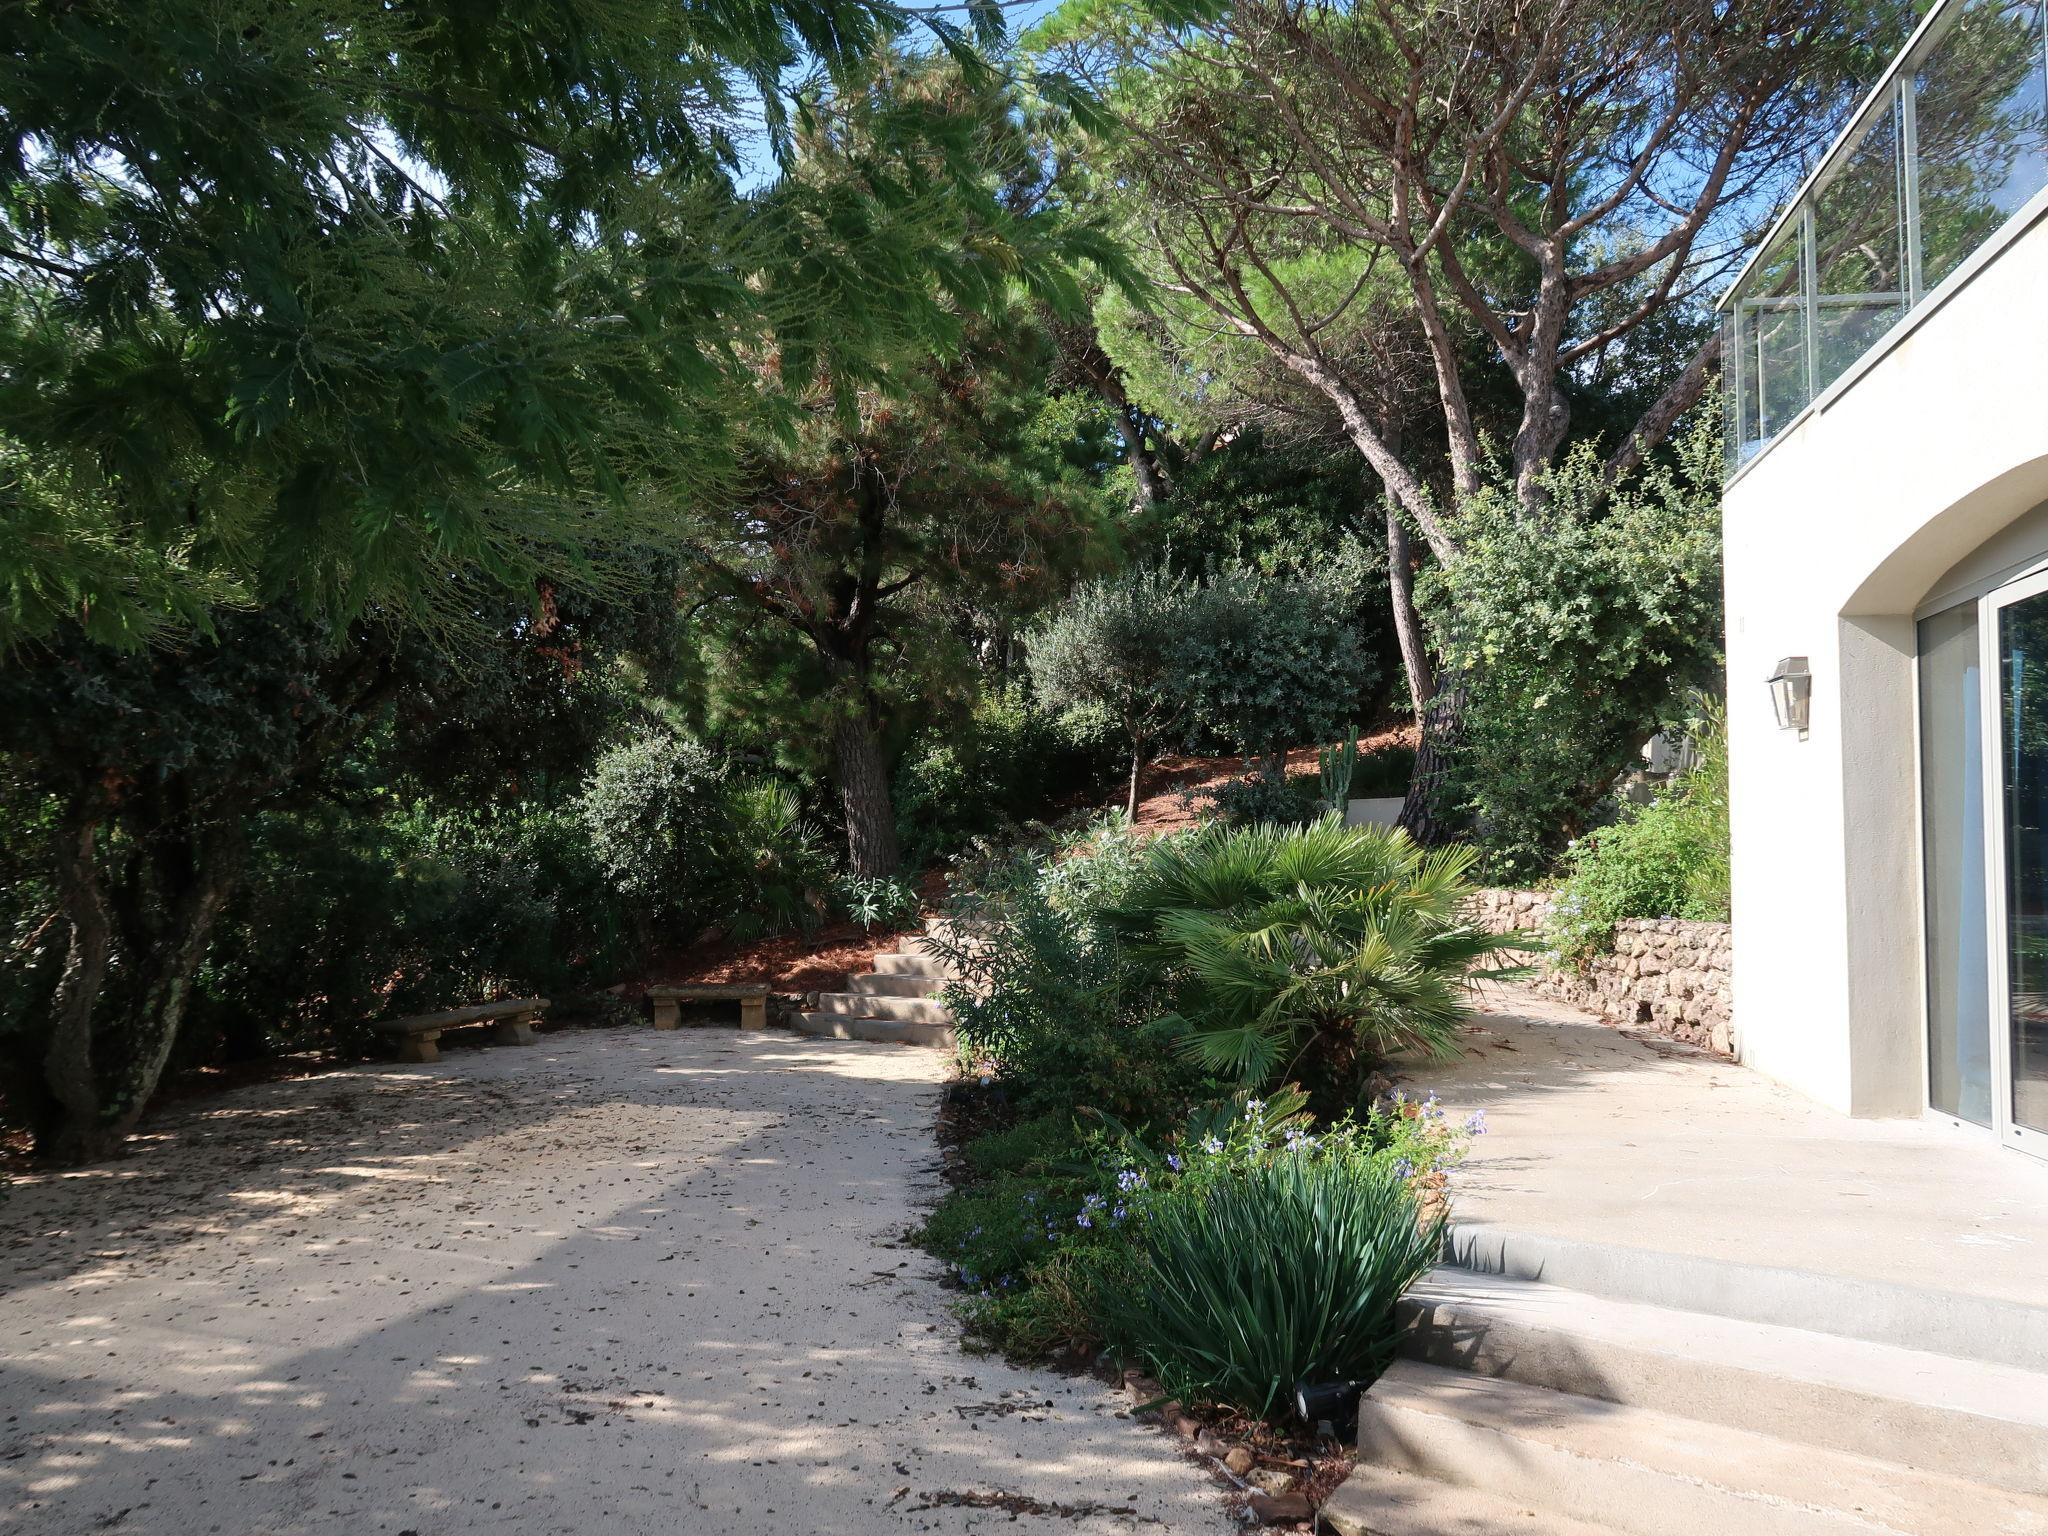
{"x": 1972, "y": 1327}
{"x": 840, "y": 1026}
{"x": 1377, "y": 1501}
{"x": 1964, "y": 1418}
{"x": 907, "y": 1010}
{"x": 902, "y": 963}
{"x": 874, "y": 984}
{"x": 1648, "y": 1473}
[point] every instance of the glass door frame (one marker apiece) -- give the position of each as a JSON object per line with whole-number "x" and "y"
{"x": 1991, "y": 674}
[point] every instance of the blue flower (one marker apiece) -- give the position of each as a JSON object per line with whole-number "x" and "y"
{"x": 1477, "y": 1123}
{"x": 1083, "y": 1220}
{"x": 1129, "y": 1180}
{"x": 1403, "y": 1169}
{"x": 1173, "y": 1161}
{"x": 1252, "y": 1108}
{"x": 1212, "y": 1144}
{"x": 1119, "y": 1213}
{"x": 1299, "y": 1140}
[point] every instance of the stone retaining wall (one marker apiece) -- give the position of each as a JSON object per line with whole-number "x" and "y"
{"x": 1667, "y": 973}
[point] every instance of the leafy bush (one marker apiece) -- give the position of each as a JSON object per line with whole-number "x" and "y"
{"x": 1022, "y": 1147}
{"x": 1046, "y": 997}
{"x": 1307, "y": 949}
{"x": 1077, "y": 1250}
{"x": 1008, "y": 762}
{"x": 1111, "y": 650}
{"x": 769, "y": 868}
{"x": 1266, "y": 663}
{"x": 346, "y": 917}
{"x": 1669, "y": 859}
{"x": 652, "y": 810}
{"x": 1285, "y": 1269}
{"x": 881, "y": 901}
{"x": 1262, "y": 795}
{"x": 1576, "y": 637}
{"x": 686, "y": 844}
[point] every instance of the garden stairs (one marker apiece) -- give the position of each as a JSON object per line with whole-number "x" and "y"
{"x": 896, "y": 1001}
{"x": 1559, "y": 1388}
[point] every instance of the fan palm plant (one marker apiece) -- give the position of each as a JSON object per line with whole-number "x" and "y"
{"x": 1310, "y": 951}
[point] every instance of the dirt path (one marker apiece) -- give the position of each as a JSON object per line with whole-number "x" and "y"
{"x": 617, "y": 1282}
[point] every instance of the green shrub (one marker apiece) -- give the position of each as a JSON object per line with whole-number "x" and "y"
{"x": 1576, "y": 636}
{"x": 1668, "y": 859}
{"x": 1307, "y": 949}
{"x": 1021, "y": 1148}
{"x": 881, "y": 901}
{"x": 1008, "y": 762}
{"x": 1263, "y": 796}
{"x": 1059, "y": 1302}
{"x": 685, "y": 844}
{"x": 1046, "y": 997}
{"x": 768, "y": 869}
{"x": 1111, "y": 652}
{"x": 1273, "y": 1270}
{"x": 347, "y": 916}
{"x": 1054, "y": 1236}
{"x": 1266, "y": 663}
{"x": 652, "y": 810}
{"x": 993, "y": 1233}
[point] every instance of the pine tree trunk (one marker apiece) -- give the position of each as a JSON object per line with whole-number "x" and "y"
{"x": 77, "y": 1131}
{"x": 216, "y": 860}
{"x": 1407, "y": 620}
{"x": 864, "y": 792}
{"x": 1424, "y": 816}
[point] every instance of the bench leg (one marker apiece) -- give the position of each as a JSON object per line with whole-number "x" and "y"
{"x": 517, "y": 1030}
{"x": 420, "y": 1048}
{"x": 666, "y": 1013}
{"x": 753, "y": 1013}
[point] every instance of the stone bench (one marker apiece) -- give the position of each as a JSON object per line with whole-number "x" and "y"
{"x": 751, "y": 996}
{"x": 515, "y": 1018}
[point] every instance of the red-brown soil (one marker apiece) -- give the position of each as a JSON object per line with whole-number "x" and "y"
{"x": 1169, "y": 798}
{"x": 1169, "y": 791}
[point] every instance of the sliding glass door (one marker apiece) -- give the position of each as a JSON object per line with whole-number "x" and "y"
{"x": 1983, "y": 685}
{"x": 2020, "y": 1068}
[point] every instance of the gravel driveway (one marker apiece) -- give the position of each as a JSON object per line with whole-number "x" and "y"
{"x": 620, "y": 1281}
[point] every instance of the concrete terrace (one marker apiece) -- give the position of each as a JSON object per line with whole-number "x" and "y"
{"x": 1614, "y": 1136}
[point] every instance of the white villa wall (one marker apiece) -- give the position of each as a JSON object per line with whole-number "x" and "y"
{"x": 1899, "y": 483}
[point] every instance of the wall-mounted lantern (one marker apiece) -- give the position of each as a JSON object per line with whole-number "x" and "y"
{"x": 1792, "y": 694}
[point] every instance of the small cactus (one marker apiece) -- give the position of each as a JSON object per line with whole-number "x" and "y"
{"x": 1338, "y": 764}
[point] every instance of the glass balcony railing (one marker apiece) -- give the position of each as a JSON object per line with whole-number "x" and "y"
{"x": 1944, "y": 152}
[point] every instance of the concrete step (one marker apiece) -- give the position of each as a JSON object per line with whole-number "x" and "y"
{"x": 1964, "y": 1418}
{"x": 1648, "y": 1473}
{"x": 840, "y": 1026}
{"x": 1376, "y": 1501}
{"x": 908, "y": 1010}
{"x": 900, "y": 963}
{"x": 874, "y": 984}
{"x": 1987, "y": 1328}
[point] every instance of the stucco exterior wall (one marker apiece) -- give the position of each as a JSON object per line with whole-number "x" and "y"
{"x": 1834, "y": 536}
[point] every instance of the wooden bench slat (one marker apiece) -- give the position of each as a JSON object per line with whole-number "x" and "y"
{"x": 452, "y": 1017}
